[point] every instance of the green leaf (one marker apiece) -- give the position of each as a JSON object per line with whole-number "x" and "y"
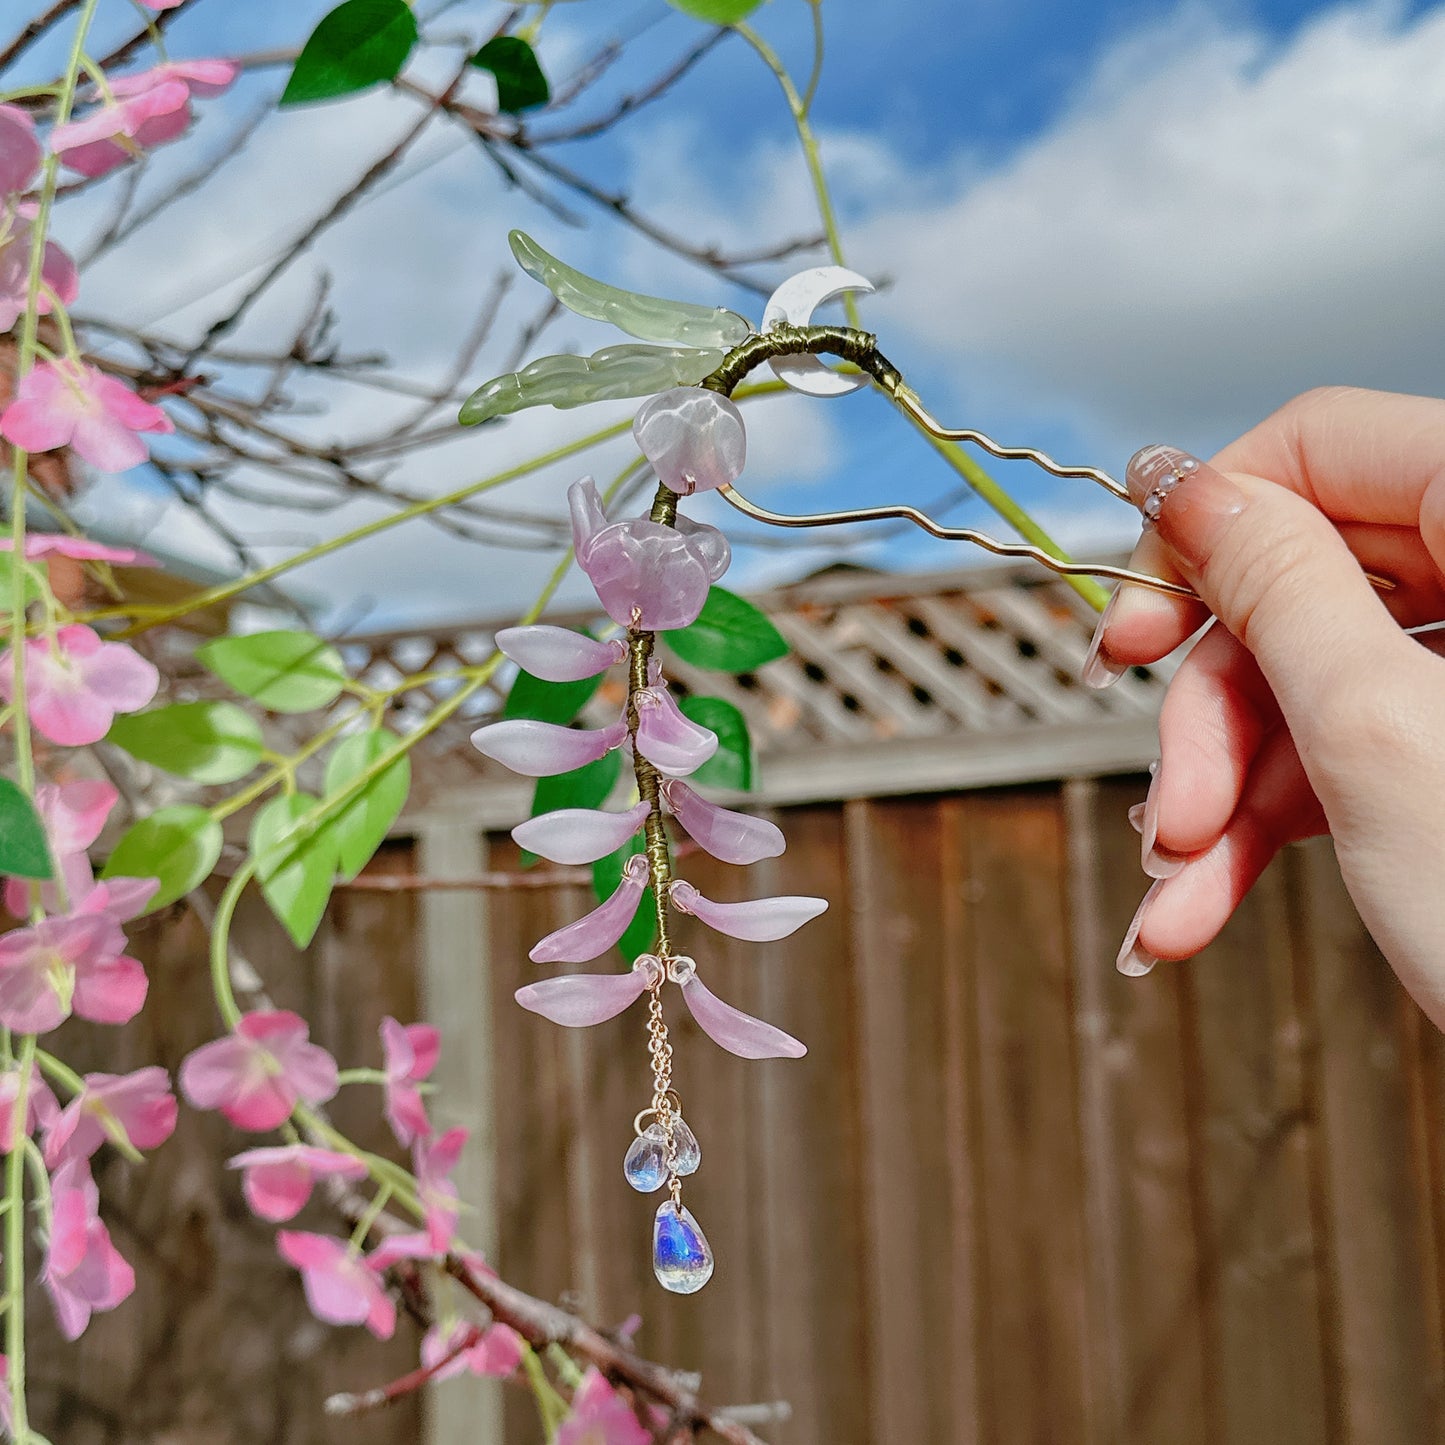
{"x": 521, "y": 84}
{"x": 178, "y": 845}
{"x": 552, "y": 702}
{"x": 363, "y": 822}
{"x": 641, "y": 933}
{"x": 732, "y": 765}
{"x": 730, "y": 635}
{"x": 296, "y": 867}
{"x": 717, "y": 12}
{"x": 359, "y": 44}
{"x": 283, "y": 671}
{"x": 212, "y": 742}
{"x": 23, "y": 849}
{"x": 586, "y": 787}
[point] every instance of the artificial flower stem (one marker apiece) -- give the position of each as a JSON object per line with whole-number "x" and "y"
{"x": 15, "y": 1256}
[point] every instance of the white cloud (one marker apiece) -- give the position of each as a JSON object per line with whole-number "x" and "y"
{"x": 1212, "y": 225}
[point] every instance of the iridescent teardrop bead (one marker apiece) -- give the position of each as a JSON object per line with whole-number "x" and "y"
{"x": 646, "y": 1163}
{"x": 689, "y": 1151}
{"x": 681, "y": 1256}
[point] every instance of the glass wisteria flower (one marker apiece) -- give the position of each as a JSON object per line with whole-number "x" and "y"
{"x": 694, "y": 438}
{"x": 83, "y": 1270}
{"x": 277, "y": 1182}
{"x": 342, "y": 1288}
{"x": 135, "y": 1110}
{"x": 74, "y": 963}
{"x": 257, "y": 1075}
{"x": 20, "y": 150}
{"x": 409, "y": 1054}
{"x": 75, "y": 684}
{"x": 70, "y": 403}
{"x": 646, "y": 575}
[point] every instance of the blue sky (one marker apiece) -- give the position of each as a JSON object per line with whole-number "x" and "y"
{"x": 1103, "y": 225}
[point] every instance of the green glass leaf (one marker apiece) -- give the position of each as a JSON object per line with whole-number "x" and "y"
{"x": 730, "y": 635}
{"x": 362, "y": 824}
{"x": 296, "y": 867}
{"x": 649, "y": 318}
{"x": 732, "y": 765}
{"x": 211, "y": 742}
{"x": 553, "y": 702}
{"x": 521, "y": 85}
{"x": 178, "y": 845}
{"x": 359, "y": 44}
{"x": 586, "y": 787}
{"x": 24, "y": 853}
{"x": 283, "y": 671}
{"x": 612, "y": 374}
{"x": 717, "y": 12}
{"x": 641, "y": 933}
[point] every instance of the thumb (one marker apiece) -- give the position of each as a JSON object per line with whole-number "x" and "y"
{"x": 1278, "y": 575}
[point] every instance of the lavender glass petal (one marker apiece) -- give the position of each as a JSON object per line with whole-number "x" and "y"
{"x": 694, "y": 438}
{"x": 579, "y": 1000}
{"x": 557, "y": 654}
{"x": 672, "y": 743}
{"x": 578, "y": 835}
{"x": 728, "y": 836}
{"x": 594, "y": 933}
{"x": 539, "y": 749}
{"x": 735, "y": 1031}
{"x": 760, "y": 920}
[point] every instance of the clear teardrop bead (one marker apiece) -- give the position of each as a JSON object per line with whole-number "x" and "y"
{"x": 681, "y": 1256}
{"x": 689, "y": 1151}
{"x": 646, "y": 1163}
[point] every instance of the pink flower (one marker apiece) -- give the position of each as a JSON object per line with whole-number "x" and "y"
{"x": 20, "y": 152}
{"x": 256, "y": 1075}
{"x": 341, "y": 1288}
{"x": 278, "y": 1182}
{"x": 136, "y": 1109}
{"x": 82, "y": 549}
{"x": 433, "y": 1164}
{"x": 160, "y": 4}
{"x": 410, "y": 1054}
{"x": 492, "y": 1350}
{"x": 73, "y": 815}
{"x": 83, "y": 1269}
{"x": 71, "y": 963}
{"x": 68, "y": 403}
{"x": 41, "y": 1107}
{"x": 74, "y": 692}
{"x": 202, "y": 79}
{"x": 57, "y": 269}
{"x": 600, "y": 1416}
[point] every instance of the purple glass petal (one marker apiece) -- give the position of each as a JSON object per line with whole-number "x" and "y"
{"x": 709, "y": 544}
{"x": 737, "y": 1032}
{"x": 672, "y": 743}
{"x": 731, "y": 837}
{"x": 539, "y": 749}
{"x": 693, "y": 437}
{"x": 588, "y": 518}
{"x": 578, "y": 1000}
{"x": 557, "y": 654}
{"x": 759, "y": 920}
{"x": 647, "y": 575}
{"x": 592, "y": 935}
{"x": 579, "y": 835}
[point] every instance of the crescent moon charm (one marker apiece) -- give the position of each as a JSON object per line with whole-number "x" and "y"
{"x": 794, "y": 302}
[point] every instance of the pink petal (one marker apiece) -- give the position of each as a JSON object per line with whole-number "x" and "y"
{"x": 585, "y": 504}
{"x": 310, "y": 1071}
{"x": 557, "y": 654}
{"x": 117, "y": 673}
{"x": 46, "y": 544}
{"x": 397, "y": 1247}
{"x": 278, "y": 1182}
{"x": 728, "y": 836}
{"x": 426, "y": 1047}
{"x": 693, "y": 437}
{"x": 708, "y": 543}
{"x": 579, "y": 835}
{"x": 74, "y": 813}
{"x": 759, "y": 920}
{"x": 498, "y": 1353}
{"x": 111, "y": 992}
{"x": 107, "y": 444}
{"x": 538, "y": 749}
{"x": 209, "y": 1074}
{"x": 20, "y": 151}
{"x": 120, "y": 898}
{"x": 737, "y": 1032}
{"x": 406, "y": 1114}
{"x": 592, "y": 935}
{"x": 122, "y": 404}
{"x": 60, "y": 275}
{"x": 579, "y": 1000}
{"x": 671, "y": 742}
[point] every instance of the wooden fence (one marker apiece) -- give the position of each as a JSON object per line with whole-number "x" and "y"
{"x": 1008, "y": 1198}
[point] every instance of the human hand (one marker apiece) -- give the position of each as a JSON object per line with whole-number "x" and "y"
{"x": 1305, "y": 708}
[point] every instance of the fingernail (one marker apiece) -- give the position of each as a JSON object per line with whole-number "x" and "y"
{"x": 1155, "y": 863}
{"x": 1186, "y": 500}
{"x": 1136, "y": 817}
{"x": 1134, "y": 960}
{"x": 1099, "y": 672}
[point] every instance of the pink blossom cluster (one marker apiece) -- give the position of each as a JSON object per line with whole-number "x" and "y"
{"x": 644, "y": 572}
{"x": 67, "y": 401}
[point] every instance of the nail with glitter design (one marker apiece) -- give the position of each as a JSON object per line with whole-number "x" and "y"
{"x": 1134, "y": 960}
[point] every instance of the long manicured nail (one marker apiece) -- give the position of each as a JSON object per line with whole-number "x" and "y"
{"x": 1134, "y": 960}
{"x": 1189, "y": 503}
{"x": 1155, "y": 863}
{"x": 1099, "y": 672}
{"x": 1136, "y": 817}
